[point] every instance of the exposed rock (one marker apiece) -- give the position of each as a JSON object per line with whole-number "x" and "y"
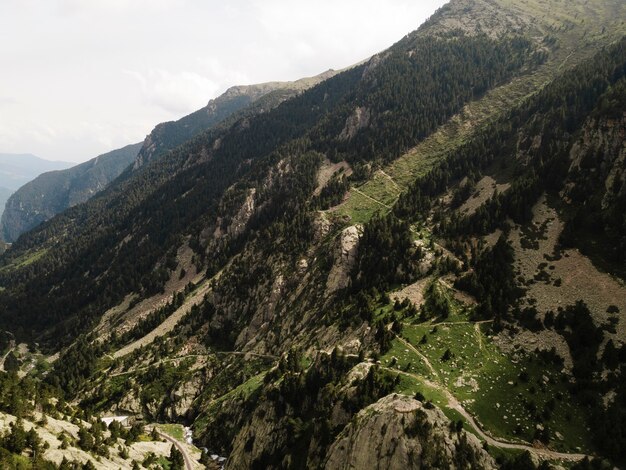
{"x": 246, "y": 210}
{"x": 360, "y": 119}
{"x": 345, "y": 257}
{"x": 397, "y": 432}
{"x": 184, "y": 396}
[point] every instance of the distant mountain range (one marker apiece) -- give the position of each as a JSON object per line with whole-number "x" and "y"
{"x": 53, "y": 192}
{"x": 417, "y": 263}
{"x": 18, "y": 169}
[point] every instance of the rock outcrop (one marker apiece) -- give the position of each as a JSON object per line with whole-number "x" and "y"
{"x": 398, "y": 432}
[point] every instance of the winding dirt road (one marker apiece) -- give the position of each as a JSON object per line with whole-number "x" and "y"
{"x": 188, "y": 460}
{"x": 454, "y": 404}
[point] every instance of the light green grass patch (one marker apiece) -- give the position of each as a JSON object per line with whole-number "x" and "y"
{"x": 174, "y": 430}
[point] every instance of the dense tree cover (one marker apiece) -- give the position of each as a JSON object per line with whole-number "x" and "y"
{"x": 492, "y": 281}
{"x": 555, "y": 113}
{"x": 436, "y": 303}
{"x": 119, "y": 237}
{"x": 124, "y": 238}
{"x": 20, "y": 397}
{"x": 333, "y": 192}
{"x": 76, "y": 364}
{"x": 421, "y": 84}
{"x": 387, "y": 254}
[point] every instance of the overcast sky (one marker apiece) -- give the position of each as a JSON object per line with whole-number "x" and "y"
{"x": 82, "y": 77}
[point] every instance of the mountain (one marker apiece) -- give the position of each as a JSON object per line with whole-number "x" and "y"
{"x": 4, "y": 195}
{"x": 18, "y": 169}
{"x": 417, "y": 262}
{"x": 55, "y": 191}
{"x": 169, "y": 135}
{"x": 52, "y": 193}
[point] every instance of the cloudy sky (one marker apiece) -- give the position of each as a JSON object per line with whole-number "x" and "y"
{"x": 81, "y": 77}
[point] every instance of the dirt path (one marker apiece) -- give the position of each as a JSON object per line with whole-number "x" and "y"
{"x": 188, "y": 460}
{"x": 424, "y": 358}
{"x": 452, "y": 323}
{"x": 170, "y": 322}
{"x": 356, "y": 190}
{"x": 179, "y": 358}
{"x": 454, "y": 404}
{"x": 479, "y": 335}
{"x": 4, "y": 358}
{"x": 396, "y": 185}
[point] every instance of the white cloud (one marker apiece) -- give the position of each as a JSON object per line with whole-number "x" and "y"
{"x": 81, "y": 77}
{"x": 174, "y": 92}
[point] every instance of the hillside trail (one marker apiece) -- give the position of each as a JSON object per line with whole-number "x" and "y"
{"x": 357, "y": 190}
{"x": 454, "y": 404}
{"x": 188, "y": 356}
{"x": 393, "y": 182}
{"x": 4, "y": 358}
{"x": 188, "y": 460}
{"x": 422, "y": 357}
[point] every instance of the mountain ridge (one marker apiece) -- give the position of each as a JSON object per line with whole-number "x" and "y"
{"x": 447, "y": 260}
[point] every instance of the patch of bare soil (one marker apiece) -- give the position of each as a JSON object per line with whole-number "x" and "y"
{"x": 555, "y": 280}
{"x": 413, "y": 292}
{"x": 327, "y": 170}
{"x": 125, "y": 316}
{"x": 485, "y": 189}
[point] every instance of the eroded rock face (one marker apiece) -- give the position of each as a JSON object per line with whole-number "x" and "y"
{"x": 360, "y": 119}
{"x": 339, "y": 276}
{"x": 397, "y": 432}
{"x": 240, "y": 220}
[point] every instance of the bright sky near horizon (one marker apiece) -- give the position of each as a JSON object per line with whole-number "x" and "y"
{"x": 82, "y": 77}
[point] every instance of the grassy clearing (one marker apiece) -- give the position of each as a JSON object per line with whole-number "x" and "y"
{"x": 244, "y": 390}
{"x": 359, "y": 208}
{"x": 27, "y": 258}
{"x": 512, "y": 398}
{"x": 402, "y": 358}
{"x": 509, "y": 398}
{"x": 174, "y": 430}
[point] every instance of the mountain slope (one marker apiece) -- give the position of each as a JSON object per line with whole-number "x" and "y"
{"x": 53, "y": 192}
{"x": 18, "y": 169}
{"x": 4, "y": 196}
{"x": 392, "y": 241}
{"x": 169, "y": 135}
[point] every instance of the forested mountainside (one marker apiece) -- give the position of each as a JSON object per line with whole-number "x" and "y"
{"x": 417, "y": 262}
{"x": 17, "y": 169}
{"x": 52, "y": 193}
{"x": 169, "y": 135}
{"x": 55, "y": 191}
